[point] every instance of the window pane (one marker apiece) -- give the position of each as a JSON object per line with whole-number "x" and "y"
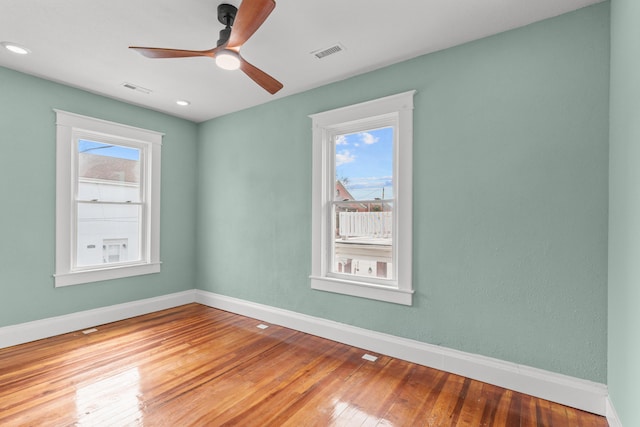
{"x": 364, "y": 165}
{"x": 108, "y": 172}
{"x": 107, "y": 233}
{"x": 363, "y": 209}
{"x": 363, "y": 243}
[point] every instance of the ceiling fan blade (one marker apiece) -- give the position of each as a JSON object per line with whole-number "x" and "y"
{"x": 250, "y": 16}
{"x": 157, "y": 52}
{"x": 267, "y": 82}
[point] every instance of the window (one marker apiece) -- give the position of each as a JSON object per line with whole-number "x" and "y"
{"x": 362, "y": 199}
{"x": 107, "y": 200}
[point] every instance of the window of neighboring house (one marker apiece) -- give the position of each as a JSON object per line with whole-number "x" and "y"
{"x": 107, "y": 200}
{"x": 362, "y": 199}
{"x": 114, "y": 250}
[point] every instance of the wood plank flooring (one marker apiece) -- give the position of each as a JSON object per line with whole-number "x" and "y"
{"x": 197, "y": 366}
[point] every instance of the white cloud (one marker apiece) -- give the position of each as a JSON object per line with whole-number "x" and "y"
{"x": 367, "y": 138}
{"x": 344, "y": 157}
{"x": 341, "y": 140}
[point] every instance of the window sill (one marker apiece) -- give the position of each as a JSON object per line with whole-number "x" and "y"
{"x": 88, "y": 276}
{"x": 363, "y": 290}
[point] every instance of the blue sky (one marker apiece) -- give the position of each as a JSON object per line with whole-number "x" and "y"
{"x": 366, "y": 160}
{"x": 102, "y": 149}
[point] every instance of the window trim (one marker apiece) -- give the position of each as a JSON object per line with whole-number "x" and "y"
{"x": 400, "y": 107}
{"x": 70, "y": 127}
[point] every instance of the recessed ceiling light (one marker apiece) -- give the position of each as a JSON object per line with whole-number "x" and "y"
{"x": 182, "y": 102}
{"x": 15, "y": 48}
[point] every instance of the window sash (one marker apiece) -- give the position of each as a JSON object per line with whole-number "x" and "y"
{"x": 331, "y": 133}
{"x": 112, "y": 200}
{"x": 124, "y": 229}
{"x": 78, "y": 180}
{"x": 368, "y": 237}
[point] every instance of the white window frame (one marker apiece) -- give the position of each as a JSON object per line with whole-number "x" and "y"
{"x": 69, "y": 128}
{"x": 397, "y": 110}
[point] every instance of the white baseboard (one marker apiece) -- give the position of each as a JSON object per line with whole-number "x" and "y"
{"x": 38, "y": 329}
{"x": 612, "y": 415}
{"x": 578, "y": 393}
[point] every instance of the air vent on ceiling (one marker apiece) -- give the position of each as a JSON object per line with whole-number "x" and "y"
{"x": 136, "y": 88}
{"x": 323, "y": 53}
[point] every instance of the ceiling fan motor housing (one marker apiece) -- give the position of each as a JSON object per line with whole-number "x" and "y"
{"x": 226, "y": 16}
{"x": 224, "y": 36}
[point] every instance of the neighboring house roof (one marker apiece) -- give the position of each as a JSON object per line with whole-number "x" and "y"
{"x": 94, "y": 166}
{"x": 344, "y": 195}
{"x": 342, "y": 192}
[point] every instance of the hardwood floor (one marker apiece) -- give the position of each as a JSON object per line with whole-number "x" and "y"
{"x": 198, "y": 366}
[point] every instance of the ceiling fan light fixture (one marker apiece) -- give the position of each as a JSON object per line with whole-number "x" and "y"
{"x": 228, "y": 60}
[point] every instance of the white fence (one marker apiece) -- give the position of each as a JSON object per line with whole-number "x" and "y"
{"x": 365, "y": 224}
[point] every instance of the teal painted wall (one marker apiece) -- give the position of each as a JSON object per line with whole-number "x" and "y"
{"x": 510, "y": 198}
{"x": 27, "y": 195}
{"x": 624, "y": 212}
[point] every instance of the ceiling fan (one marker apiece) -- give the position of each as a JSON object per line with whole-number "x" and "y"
{"x": 240, "y": 24}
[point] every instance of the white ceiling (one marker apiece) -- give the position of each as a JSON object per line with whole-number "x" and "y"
{"x": 84, "y": 43}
